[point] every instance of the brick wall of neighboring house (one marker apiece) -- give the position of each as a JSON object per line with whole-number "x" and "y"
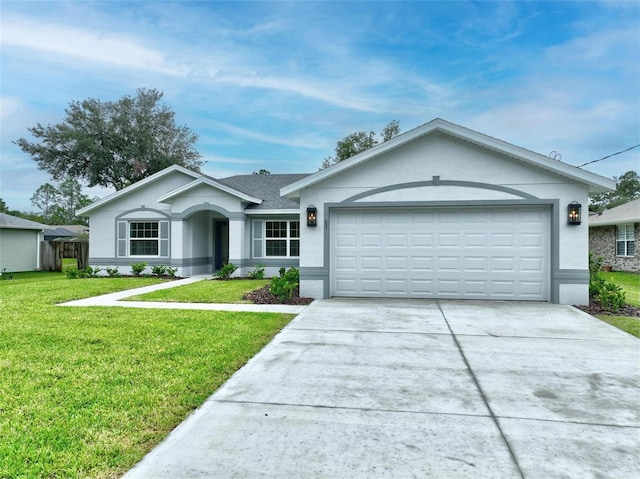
{"x": 602, "y": 242}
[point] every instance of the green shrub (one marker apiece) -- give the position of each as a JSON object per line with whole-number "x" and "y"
{"x": 72, "y": 273}
{"x": 284, "y": 286}
{"x": 138, "y": 268}
{"x": 609, "y": 295}
{"x": 171, "y": 271}
{"x": 258, "y": 272}
{"x": 87, "y": 272}
{"x": 226, "y": 271}
{"x": 113, "y": 272}
{"x": 93, "y": 272}
{"x": 158, "y": 270}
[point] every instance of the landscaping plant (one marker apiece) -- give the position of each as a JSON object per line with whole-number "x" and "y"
{"x": 138, "y": 268}
{"x": 284, "y": 286}
{"x": 258, "y": 272}
{"x": 113, "y": 272}
{"x": 158, "y": 270}
{"x": 226, "y": 271}
{"x": 610, "y": 296}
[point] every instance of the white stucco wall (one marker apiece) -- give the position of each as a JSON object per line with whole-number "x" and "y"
{"x": 102, "y": 222}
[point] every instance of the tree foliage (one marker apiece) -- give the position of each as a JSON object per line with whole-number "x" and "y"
{"x": 113, "y": 143}
{"x": 627, "y": 189}
{"x": 360, "y": 141}
{"x": 58, "y": 205}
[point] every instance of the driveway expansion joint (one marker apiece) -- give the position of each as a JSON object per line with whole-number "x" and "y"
{"x": 348, "y": 408}
{"x": 481, "y": 392}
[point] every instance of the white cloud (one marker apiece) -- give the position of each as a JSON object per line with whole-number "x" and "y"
{"x": 104, "y": 47}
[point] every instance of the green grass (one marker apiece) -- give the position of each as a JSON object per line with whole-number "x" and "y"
{"x": 630, "y": 283}
{"x": 86, "y": 392}
{"x": 625, "y": 323}
{"x": 206, "y": 291}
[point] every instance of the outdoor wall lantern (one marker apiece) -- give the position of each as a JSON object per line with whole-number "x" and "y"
{"x": 312, "y": 216}
{"x": 574, "y": 213}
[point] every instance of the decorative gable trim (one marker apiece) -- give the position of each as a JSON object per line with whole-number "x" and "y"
{"x": 208, "y": 182}
{"x": 136, "y": 186}
{"x": 596, "y": 183}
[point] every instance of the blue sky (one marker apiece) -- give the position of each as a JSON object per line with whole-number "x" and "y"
{"x": 274, "y": 84}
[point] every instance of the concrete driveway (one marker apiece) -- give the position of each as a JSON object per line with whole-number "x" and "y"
{"x": 421, "y": 388}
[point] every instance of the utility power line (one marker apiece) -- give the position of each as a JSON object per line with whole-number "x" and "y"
{"x": 609, "y": 156}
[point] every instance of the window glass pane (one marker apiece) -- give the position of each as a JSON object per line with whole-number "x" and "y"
{"x": 276, "y": 229}
{"x": 143, "y": 230}
{"x": 144, "y": 248}
{"x": 631, "y": 248}
{"x": 276, "y": 248}
{"x": 295, "y": 248}
{"x": 295, "y": 229}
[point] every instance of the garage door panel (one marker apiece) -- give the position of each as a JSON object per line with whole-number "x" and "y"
{"x": 370, "y": 240}
{"x": 344, "y": 240}
{"x": 495, "y": 253}
{"x": 346, "y": 264}
{"x": 396, "y": 240}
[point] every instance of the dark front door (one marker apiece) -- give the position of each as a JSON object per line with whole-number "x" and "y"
{"x": 221, "y": 243}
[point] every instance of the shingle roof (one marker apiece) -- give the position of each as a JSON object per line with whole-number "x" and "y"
{"x": 266, "y": 187}
{"x": 627, "y": 213}
{"x": 58, "y": 232}
{"x": 10, "y": 221}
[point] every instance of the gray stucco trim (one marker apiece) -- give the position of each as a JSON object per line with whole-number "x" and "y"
{"x": 557, "y": 276}
{"x": 151, "y": 261}
{"x": 315, "y": 273}
{"x": 207, "y": 207}
{"x": 144, "y": 209}
{"x": 438, "y": 182}
{"x": 268, "y": 262}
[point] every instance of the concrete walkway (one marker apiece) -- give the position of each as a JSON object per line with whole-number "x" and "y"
{"x": 116, "y": 299}
{"x": 419, "y": 388}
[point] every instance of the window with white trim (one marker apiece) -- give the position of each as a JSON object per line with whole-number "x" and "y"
{"x": 282, "y": 238}
{"x": 143, "y": 238}
{"x": 625, "y": 240}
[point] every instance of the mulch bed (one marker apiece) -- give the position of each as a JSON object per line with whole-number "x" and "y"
{"x": 263, "y": 296}
{"x": 594, "y": 308}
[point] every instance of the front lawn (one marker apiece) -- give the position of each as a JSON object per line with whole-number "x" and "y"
{"x": 86, "y": 392}
{"x": 206, "y": 291}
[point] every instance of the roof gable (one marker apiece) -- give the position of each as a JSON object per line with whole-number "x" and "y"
{"x": 136, "y": 186}
{"x": 595, "y": 182}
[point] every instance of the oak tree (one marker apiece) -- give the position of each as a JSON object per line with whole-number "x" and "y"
{"x": 113, "y": 143}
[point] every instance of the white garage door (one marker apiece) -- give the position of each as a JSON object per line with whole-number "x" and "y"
{"x": 471, "y": 253}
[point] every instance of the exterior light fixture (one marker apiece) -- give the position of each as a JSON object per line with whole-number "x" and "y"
{"x": 312, "y": 216}
{"x": 574, "y": 210}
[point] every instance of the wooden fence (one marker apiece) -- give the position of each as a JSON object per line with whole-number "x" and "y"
{"x": 52, "y": 252}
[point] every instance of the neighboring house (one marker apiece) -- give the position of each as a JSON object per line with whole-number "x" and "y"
{"x": 440, "y": 211}
{"x": 79, "y": 231}
{"x": 612, "y": 235}
{"x": 19, "y": 243}
{"x": 52, "y": 233}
